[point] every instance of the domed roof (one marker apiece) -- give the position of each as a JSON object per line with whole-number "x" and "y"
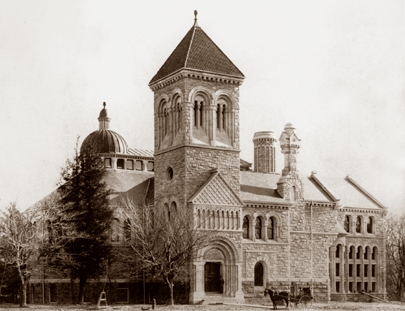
{"x": 104, "y": 140}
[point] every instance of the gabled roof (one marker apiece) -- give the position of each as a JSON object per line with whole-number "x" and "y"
{"x": 197, "y": 51}
{"x": 216, "y": 191}
{"x": 346, "y": 191}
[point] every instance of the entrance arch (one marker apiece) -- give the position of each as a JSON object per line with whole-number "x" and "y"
{"x": 217, "y": 271}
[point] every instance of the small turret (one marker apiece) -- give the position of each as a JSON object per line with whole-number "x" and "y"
{"x": 290, "y": 184}
{"x": 265, "y": 152}
{"x": 290, "y": 145}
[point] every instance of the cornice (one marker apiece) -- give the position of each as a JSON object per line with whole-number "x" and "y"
{"x": 196, "y": 75}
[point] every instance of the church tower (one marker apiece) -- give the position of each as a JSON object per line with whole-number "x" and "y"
{"x": 196, "y": 105}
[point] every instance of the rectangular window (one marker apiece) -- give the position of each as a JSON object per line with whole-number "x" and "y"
{"x": 107, "y": 162}
{"x": 130, "y": 164}
{"x": 337, "y": 287}
{"x": 366, "y": 286}
{"x": 373, "y": 271}
{"x": 373, "y": 287}
{"x": 351, "y": 253}
{"x": 120, "y": 164}
{"x": 351, "y": 287}
{"x": 358, "y": 270}
{"x": 359, "y": 287}
{"x": 150, "y": 166}
{"x": 337, "y": 269}
{"x": 365, "y": 271}
{"x": 139, "y": 165}
{"x": 350, "y": 270}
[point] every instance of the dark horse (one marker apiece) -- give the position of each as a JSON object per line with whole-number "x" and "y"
{"x": 277, "y": 297}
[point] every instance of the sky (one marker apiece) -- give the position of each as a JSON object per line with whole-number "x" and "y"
{"x": 335, "y": 69}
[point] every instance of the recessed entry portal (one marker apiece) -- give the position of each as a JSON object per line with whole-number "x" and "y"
{"x": 213, "y": 281}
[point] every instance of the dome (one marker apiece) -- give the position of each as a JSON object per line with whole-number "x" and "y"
{"x": 105, "y": 141}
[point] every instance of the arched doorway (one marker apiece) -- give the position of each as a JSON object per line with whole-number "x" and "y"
{"x": 258, "y": 274}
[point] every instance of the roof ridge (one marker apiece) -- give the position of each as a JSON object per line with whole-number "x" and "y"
{"x": 324, "y": 188}
{"x": 189, "y": 46}
{"x": 365, "y": 192}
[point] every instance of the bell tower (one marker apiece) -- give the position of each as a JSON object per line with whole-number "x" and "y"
{"x": 196, "y": 117}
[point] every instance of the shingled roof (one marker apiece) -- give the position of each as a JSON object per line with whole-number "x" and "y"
{"x": 197, "y": 51}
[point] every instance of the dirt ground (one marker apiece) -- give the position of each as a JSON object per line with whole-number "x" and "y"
{"x": 336, "y": 306}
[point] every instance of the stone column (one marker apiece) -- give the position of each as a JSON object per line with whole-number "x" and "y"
{"x": 199, "y": 292}
{"x": 332, "y": 254}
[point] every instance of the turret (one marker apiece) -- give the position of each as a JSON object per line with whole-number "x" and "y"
{"x": 264, "y": 152}
{"x": 290, "y": 184}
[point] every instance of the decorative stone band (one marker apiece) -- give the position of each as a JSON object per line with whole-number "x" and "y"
{"x": 268, "y": 206}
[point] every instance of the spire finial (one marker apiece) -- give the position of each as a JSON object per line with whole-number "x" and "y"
{"x": 195, "y": 18}
{"x": 104, "y": 104}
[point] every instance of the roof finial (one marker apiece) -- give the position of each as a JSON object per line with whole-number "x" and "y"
{"x": 104, "y": 104}
{"x": 195, "y": 18}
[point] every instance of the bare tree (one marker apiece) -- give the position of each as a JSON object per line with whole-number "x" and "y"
{"x": 395, "y": 251}
{"x": 163, "y": 242}
{"x": 20, "y": 243}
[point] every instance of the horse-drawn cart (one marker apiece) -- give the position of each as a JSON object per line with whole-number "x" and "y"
{"x": 302, "y": 301}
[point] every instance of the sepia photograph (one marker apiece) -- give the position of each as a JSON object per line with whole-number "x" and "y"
{"x": 202, "y": 155}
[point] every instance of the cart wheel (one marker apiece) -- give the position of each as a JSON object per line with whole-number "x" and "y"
{"x": 305, "y": 302}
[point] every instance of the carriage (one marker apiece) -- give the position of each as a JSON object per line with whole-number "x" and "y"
{"x": 302, "y": 301}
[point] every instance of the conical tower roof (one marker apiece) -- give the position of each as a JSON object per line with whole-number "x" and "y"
{"x": 197, "y": 52}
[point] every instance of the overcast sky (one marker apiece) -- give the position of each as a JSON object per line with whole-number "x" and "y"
{"x": 335, "y": 69}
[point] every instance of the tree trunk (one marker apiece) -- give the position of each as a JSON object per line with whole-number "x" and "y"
{"x": 171, "y": 285}
{"x": 82, "y": 284}
{"x": 23, "y": 295}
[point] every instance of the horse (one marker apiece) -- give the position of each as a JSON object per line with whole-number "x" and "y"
{"x": 276, "y": 297}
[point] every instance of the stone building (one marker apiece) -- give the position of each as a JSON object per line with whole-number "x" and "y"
{"x": 282, "y": 230}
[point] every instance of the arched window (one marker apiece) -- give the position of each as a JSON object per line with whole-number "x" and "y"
{"x": 258, "y": 274}
{"x": 165, "y": 121}
{"x": 370, "y": 225}
{"x": 351, "y": 252}
{"x": 358, "y": 253}
{"x": 347, "y": 223}
{"x": 374, "y": 253}
{"x": 245, "y": 227}
{"x": 294, "y": 193}
{"x": 358, "y": 224}
{"x": 271, "y": 228}
{"x": 367, "y": 253}
{"x": 172, "y": 209}
{"x": 258, "y": 228}
{"x": 338, "y": 247}
{"x": 219, "y": 116}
